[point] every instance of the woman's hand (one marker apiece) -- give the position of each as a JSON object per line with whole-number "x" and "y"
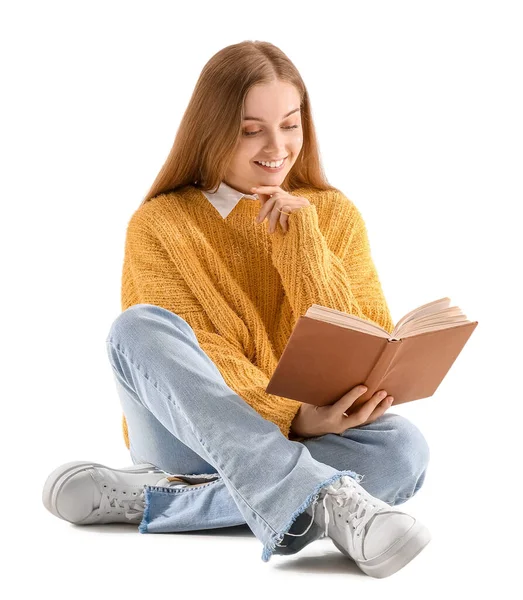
{"x": 312, "y": 421}
{"x": 274, "y": 200}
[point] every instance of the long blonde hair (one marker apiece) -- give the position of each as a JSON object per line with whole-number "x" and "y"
{"x": 211, "y": 126}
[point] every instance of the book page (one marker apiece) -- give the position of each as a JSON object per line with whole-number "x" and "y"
{"x": 432, "y": 316}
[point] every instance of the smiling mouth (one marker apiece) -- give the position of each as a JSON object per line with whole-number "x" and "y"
{"x": 278, "y": 160}
{"x": 272, "y": 168}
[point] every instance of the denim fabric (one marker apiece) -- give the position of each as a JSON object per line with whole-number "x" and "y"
{"x": 184, "y": 419}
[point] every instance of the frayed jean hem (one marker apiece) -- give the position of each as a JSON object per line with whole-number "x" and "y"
{"x": 274, "y": 546}
{"x": 142, "y": 528}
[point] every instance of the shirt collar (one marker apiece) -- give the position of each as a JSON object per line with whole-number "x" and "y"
{"x": 226, "y": 198}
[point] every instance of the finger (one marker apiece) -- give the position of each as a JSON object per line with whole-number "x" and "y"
{"x": 365, "y": 410}
{"x": 348, "y": 399}
{"x": 265, "y": 210}
{"x": 284, "y": 222}
{"x": 266, "y": 189}
{"x": 273, "y": 218}
{"x": 380, "y": 410}
{"x": 265, "y": 193}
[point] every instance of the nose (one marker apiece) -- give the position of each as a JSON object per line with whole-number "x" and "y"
{"x": 276, "y": 144}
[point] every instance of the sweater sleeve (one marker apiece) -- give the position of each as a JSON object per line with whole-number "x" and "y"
{"x": 335, "y": 270}
{"x": 150, "y": 276}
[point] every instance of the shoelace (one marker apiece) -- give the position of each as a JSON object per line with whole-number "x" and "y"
{"x": 315, "y": 501}
{"x": 112, "y": 501}
{"x": 360, "y": 509}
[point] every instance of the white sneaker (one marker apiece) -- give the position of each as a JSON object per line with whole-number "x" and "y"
{"x": 84, "y": 492}
{"x": 380, "y": 539}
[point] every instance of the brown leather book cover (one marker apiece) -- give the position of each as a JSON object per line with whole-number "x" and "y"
{"x": 322, "y": 361}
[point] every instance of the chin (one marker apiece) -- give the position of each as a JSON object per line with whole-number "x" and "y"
{"x": 274, "y": 177}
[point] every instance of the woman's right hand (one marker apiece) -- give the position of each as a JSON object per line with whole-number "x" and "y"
{"x": 312, "y": 421}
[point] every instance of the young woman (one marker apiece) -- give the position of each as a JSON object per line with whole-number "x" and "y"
{"x": 238, "y": 236}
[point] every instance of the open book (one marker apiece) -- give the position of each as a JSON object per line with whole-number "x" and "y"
{"x": 329, "y": 352}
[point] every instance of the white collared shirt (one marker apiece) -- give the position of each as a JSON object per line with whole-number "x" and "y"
{"x": 226, "y": 198}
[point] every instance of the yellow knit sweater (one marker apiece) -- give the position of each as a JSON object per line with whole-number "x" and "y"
{"x": 241, "y": 288}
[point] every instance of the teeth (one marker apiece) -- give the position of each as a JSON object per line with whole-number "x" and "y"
{"x": 273, "y": 165}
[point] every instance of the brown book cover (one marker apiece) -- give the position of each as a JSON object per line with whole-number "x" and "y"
{"x": 329, "y": 352}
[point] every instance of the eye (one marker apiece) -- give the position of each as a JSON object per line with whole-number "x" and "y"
{"x": 247, "y": 133}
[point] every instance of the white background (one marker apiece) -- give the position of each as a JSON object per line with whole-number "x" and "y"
{"x": 418, "y": 111}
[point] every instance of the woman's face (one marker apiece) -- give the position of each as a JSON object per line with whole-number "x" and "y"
{"x": 268, "y": 134}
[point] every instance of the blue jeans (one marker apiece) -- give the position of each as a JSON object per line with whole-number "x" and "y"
{"x": 184, "y": 419}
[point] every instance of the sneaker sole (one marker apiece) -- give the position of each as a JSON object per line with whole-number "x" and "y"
{"x": 56, "y": 480}
{"x": 397, "y": 556}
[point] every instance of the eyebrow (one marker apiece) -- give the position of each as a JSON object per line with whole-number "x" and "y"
{"x": 263, "y": 121}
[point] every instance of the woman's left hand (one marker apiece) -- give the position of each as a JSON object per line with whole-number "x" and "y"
{"x": 274, "y": 200}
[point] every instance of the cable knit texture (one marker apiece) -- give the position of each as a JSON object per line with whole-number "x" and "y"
{"x": 241, "y": 288}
